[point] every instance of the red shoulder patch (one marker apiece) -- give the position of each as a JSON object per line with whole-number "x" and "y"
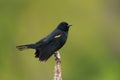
{"x": 57, "y": 36}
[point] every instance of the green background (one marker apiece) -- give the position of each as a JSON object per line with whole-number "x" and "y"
{"x": 92, "y": 51}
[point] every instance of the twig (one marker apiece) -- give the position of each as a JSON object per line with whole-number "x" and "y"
{"x": 57, "y": 74}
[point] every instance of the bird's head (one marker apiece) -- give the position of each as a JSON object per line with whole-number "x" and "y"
{"x": 64, "y": 26}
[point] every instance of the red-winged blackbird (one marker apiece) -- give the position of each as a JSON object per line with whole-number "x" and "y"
{"x": 49, "y": 44}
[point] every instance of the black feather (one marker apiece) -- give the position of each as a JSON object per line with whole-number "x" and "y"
{"x": 50, "y": 44}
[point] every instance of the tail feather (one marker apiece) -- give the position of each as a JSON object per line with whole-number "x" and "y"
{"x": 23, "y": 47}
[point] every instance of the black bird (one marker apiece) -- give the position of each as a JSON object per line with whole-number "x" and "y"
{"x": 49, "y": 44}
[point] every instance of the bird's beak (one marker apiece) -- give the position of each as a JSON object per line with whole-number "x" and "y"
{"x": 69, "y": 25}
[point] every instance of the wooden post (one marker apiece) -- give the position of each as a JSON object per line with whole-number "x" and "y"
{"x": 57, "y": 74}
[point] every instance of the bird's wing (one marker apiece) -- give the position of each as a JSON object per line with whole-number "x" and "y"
{"x": 55, "y": 34}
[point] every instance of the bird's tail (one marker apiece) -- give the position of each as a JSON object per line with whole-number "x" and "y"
{"x": 23, "y": 47}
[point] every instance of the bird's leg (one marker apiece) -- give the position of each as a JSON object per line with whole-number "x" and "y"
{"x": 57, "y": 56}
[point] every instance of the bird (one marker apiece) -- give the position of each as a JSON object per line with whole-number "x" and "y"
{"x": 48, "y": 45}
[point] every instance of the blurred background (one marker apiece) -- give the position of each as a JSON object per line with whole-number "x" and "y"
{"x": 92, "y": 51}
